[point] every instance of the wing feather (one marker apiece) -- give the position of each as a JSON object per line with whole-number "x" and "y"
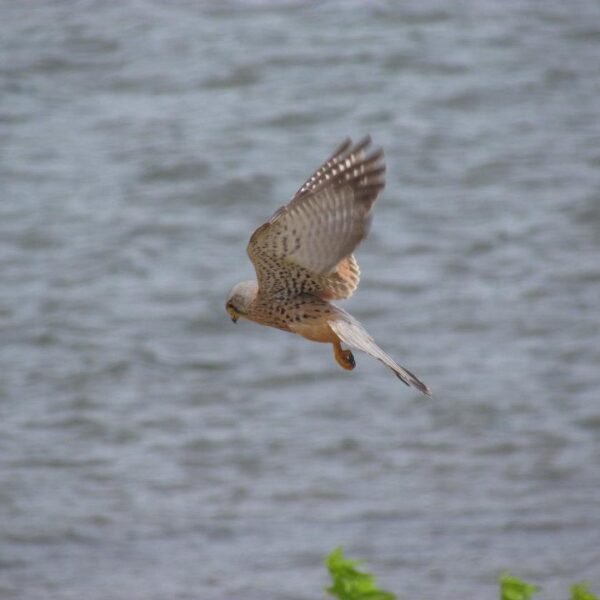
{"x": 312, "y": 237}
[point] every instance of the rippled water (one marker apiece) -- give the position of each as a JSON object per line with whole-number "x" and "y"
{"x": 149, "y": 448}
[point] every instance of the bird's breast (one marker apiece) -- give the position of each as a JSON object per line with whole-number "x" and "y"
{"x": 316, "y": 332}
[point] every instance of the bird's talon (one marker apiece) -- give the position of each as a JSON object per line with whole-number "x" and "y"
{"x": 345, "y": 358}
{"x": 350, "y": 358}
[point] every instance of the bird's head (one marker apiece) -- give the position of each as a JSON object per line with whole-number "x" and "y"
{"x": 240, "y": 298}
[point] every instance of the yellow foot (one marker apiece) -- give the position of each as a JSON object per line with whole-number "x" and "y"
{"x": 345, "y": 358}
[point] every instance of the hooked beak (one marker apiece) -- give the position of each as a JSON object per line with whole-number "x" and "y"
{"x": 232, "y": 314}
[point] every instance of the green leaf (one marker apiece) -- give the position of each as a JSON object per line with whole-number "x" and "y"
{"x": 348, "y": 583}
{"x": 580, "y": 591}
{"x": 512, "y": 588}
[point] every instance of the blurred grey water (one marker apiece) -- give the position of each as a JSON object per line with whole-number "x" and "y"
{"x": 149, "y": 448}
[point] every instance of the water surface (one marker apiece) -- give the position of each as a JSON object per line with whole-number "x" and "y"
{"x": 149, "y": 449}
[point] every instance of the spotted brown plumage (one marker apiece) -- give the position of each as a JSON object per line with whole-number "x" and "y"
{"x": 303, "y": 258}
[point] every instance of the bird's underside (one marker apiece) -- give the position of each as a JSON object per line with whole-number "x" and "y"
{"x": 303, "y": 258}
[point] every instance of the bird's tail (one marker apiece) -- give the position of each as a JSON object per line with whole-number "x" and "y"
{"x": 352, "y": 333}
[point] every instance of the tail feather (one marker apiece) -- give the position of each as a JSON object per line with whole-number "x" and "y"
{"x": 352, "y": 333}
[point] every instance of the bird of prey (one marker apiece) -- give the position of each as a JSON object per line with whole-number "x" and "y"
{"x": 303, "y": 257}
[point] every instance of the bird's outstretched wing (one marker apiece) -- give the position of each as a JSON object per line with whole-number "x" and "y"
{"x": 352, "y": 333}
{"x": 307, "y": 245}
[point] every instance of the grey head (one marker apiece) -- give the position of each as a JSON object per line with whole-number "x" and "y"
{"x": 240, "y": 298}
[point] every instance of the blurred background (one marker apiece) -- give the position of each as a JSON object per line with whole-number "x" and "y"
{"x": 149, "y": 448}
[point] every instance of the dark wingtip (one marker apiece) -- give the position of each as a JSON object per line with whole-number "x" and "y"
{"x": 364, "y": 142}
{"x": 343, "y": 147}
{"x": 348, "y": 146}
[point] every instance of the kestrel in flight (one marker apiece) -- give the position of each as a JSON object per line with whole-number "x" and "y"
{"x": 303, "y": 258}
